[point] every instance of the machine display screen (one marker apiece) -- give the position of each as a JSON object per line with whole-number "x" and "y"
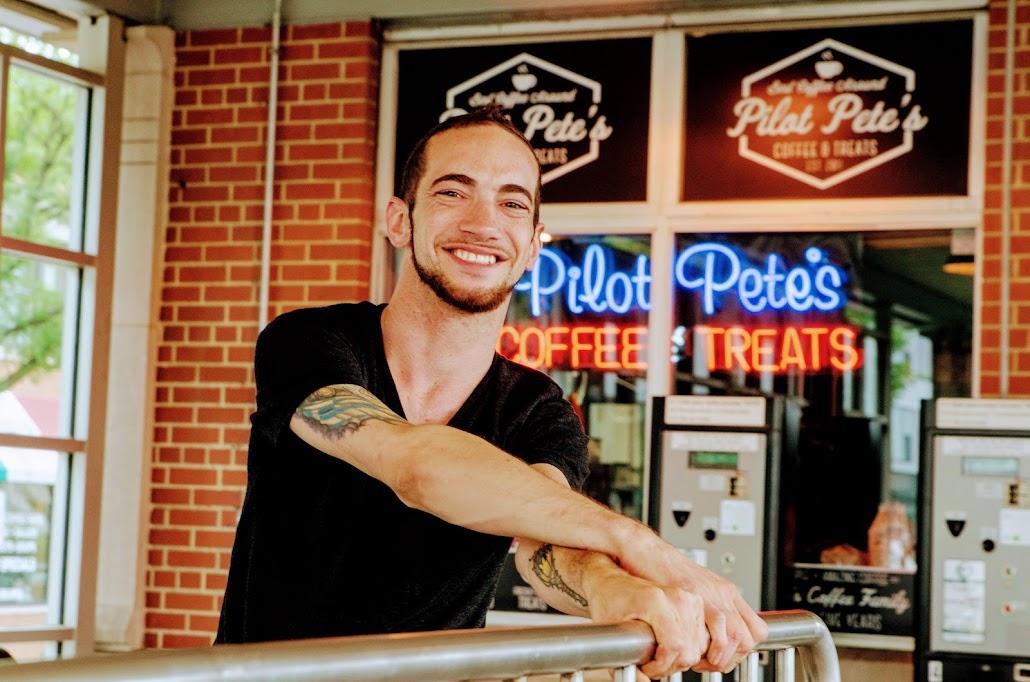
{"x": 713, "y": 460}
{"x": 990, "y": 466}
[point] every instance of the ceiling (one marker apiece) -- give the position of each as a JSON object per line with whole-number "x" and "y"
{"x": 192, "y": 14}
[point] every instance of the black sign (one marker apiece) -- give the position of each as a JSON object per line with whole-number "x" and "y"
{"x": 872, "y": 111}
{"x": 583, "y": 105}
{"x": 870, "y": 602}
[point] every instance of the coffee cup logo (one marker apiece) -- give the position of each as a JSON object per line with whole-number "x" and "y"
{"x": 523, "y": 80}
{"x": 829, "y": 67}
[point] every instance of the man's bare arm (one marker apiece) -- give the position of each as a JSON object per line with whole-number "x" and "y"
{"x": 452, "y": 474}
{"x": 468, "y": 482}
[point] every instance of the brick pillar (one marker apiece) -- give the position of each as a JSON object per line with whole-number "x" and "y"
{"x": 209, "y": 311}
{"x": 1019, "y": 294}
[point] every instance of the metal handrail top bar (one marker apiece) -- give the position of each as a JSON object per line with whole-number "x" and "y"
{"x": 496, "y": 653}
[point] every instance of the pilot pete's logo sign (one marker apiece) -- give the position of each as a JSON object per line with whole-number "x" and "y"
{"x": 560, "y": 112}
{"x": 827, "y": 114}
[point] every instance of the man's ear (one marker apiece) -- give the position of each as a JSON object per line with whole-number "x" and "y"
{"x": 535, "y": 246}
{"x": 398, "y": 223}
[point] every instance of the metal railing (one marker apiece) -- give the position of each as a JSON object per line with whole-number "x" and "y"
{"x": 492, "y": 654}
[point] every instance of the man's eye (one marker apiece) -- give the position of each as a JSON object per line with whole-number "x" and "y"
{"x": 449, "y": 193}
{"x": 516, "y": 205}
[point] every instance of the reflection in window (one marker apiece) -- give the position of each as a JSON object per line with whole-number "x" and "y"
{"x": 43, "y": 159}
{"x": 33, "y": 500}
{"x": 38, "y": 319}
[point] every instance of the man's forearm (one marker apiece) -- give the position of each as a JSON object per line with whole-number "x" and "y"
{"x": 561, "y": 575}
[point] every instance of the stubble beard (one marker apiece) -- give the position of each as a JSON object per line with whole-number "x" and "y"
{"x": 467, "y": 302}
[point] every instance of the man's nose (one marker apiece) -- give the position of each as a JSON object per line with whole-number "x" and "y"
{"x": 480, "y": 218}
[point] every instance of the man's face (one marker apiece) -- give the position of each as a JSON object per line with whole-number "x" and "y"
{"x": 472, "y": 231}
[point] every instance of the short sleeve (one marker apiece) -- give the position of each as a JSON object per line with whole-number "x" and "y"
{"x": 297, "y": 354}
{"x": 553, "y": 434}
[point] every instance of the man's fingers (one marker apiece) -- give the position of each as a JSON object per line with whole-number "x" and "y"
{"x": 759, "y": 628}
{"x": 719, "y": 645}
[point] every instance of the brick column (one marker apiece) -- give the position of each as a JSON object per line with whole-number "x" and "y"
{"x": 1019, "y": 244}
{"x": 209, "y": 297}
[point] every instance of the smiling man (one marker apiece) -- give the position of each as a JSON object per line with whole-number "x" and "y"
{"x": 394, "y": 454}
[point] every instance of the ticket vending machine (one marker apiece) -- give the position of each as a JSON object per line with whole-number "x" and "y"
{"x": 974, "y": 542}
{"x": 715, "y": 463}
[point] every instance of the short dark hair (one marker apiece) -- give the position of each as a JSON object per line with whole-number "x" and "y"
{"x": 494, "y": 114}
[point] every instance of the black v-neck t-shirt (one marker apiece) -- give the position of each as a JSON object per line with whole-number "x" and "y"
{"x": 323, "y": 549}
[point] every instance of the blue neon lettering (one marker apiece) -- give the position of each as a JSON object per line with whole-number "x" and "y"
{"x": 709, "y": 280}
{"x": 709, "y": 268}
{"x": 750, "y": 287}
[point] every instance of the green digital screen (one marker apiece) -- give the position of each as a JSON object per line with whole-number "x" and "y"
{"x": 704, "y": 459}
{"x": 990, "y": 466}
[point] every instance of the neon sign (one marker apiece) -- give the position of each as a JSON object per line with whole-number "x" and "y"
{"x": 721, "y": 269}
{"x": 758, "y": 350}
{"x": 605, "y": 346}
{"x": 588, "y": 286}
{"x": 779, "y": 349}
{"x": 714, "y": 270}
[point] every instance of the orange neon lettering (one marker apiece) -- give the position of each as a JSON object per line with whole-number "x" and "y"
{"x": 763, "y": 355}
{"x": 581, "y": 346}
{"x": 524, "y": 347}
{"x": 629, "y": 348}
{"x": 737, "y": 341}
{"x": 850, "y": 359}
{"x": 603, "y": 350}
{"x": 791, "y": 353}
{"x": 814, "y": 334}
{"x": 553, "y": 344}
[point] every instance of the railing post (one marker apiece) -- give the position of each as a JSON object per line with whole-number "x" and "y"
{"x": 748, "y": 670}
{"x": 627, "y": 674}
{"x": 785, "y": 665}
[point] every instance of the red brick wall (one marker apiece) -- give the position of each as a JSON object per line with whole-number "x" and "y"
{"x": 209, "y": 297}
{"x": 1019, "y": 294}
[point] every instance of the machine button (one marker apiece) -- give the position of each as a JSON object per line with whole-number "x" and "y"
{"x": 710, "y": 534}
{"x": 956, "y": 526}
{"x": 728, "y": 559}
{"x": 681, "y": 516}
{"x": 988, "y": 545}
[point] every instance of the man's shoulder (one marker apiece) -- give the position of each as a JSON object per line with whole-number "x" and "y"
{"x": 339, "y": 317}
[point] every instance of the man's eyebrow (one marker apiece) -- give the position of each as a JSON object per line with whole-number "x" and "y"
{"x": 517, "y": 189}
{"x": 463, "y": 179}
{"x": 454, "y": 177}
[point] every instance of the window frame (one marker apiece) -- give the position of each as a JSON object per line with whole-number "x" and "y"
{"x": 102, "y": 60}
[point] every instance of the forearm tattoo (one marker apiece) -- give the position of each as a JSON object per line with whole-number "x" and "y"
{"x": 337, "y": 410}
{"x": 546, "y": 569}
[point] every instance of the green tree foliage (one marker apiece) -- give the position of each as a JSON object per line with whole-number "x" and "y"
{"x": 38, "y": 158}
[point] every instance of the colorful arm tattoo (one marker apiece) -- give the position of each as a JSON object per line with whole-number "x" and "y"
{"x": 546, "y": 569}
{"x": 337, "y": 410}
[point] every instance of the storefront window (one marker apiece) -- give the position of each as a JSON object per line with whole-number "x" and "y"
{"x": 581, "y": 316}
{"x": 853, "y": 330}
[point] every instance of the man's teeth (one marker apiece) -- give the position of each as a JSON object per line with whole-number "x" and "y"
{"x": 470, "y": 257}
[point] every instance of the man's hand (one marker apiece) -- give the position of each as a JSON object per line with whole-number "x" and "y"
{"x": 733, "y": 626}
{"x": 675, "y": 615}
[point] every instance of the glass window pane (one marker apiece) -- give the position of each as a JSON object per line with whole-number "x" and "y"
{"x": 581, "y": 316}
{"x": 44, "y": 157}
{"x": 38, "y": 316}
{"x": 33, "y": 500}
